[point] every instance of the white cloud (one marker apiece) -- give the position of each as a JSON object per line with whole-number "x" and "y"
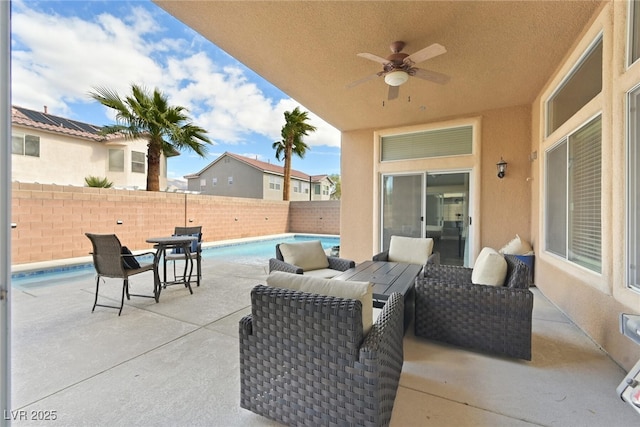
{"x": 57, "y": 60}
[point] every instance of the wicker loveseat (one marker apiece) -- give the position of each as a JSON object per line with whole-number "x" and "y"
{"x": 308, "y": 258}
{"x": 304, "y": 359}
{"x": 494, "y": 319}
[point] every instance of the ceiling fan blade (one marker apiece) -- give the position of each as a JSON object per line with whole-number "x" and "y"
{"x": 373, "y": 57}
{"x": 432, "y": 76}
{"x": 393, "y": 92}
{"x": 362, "y": 80}
{"x": 426, "y": 53}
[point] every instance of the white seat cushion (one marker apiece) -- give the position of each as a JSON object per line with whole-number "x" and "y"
{"x": 361, "y": 291}
{"x": 490, "y": 268}
{"x": 410, "y": 250}
{"x": 307, "y": 255}
{"x": 323, "y": 273}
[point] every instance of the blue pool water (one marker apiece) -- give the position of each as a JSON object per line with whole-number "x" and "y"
{"x": 256, "y": 252}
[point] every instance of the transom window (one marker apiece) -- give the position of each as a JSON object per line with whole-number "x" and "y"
{"x": 137, "y": 161}
{"x": 582, "y": 84}
{"x": 573, "y": 194}
{"x": 426, "y": 144}
{"x": 25, "y": 145}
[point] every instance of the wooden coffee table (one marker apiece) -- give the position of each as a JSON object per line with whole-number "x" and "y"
{"x": 387, "y": 278}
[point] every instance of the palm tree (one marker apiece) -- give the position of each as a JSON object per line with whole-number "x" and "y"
{"x": 294, "y": 129}
{"x": 148, "y": 115}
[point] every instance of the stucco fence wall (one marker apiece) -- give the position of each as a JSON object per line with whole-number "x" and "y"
{"x": 50, "y": 220}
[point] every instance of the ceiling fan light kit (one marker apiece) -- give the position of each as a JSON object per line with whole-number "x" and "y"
{"x": 397, "y": 67}
{"x": 396, "y": 78}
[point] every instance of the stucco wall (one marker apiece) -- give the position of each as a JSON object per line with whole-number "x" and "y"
{"x": 592, "y": 300}
{"x": 500, "y": 207}
{"x": 51, "y": 220}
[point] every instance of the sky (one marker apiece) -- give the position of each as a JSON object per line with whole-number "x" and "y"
{"x": 61, "y": 50}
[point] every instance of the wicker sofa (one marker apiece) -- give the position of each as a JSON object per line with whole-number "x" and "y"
{"x": 304, "y": 359}
{"x": 333, "y": 265}
{"x": 493, "y": 319}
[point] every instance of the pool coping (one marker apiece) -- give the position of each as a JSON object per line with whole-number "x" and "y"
{"x": 81, "y": 262}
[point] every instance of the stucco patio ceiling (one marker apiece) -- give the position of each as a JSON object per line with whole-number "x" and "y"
{"x": 499, "y": 53}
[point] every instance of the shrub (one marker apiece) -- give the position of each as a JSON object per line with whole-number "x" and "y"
{"x": 96, "y": 181}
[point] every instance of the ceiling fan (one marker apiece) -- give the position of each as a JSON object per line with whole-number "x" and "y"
{"x": 397, "y": 67}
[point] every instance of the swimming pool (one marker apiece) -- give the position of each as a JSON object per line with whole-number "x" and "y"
{"x": 253, "y": 252}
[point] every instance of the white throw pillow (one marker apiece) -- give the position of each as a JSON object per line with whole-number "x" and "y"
{"x": 362, "y": 291}
{"x": 490, "y": 268}
{"x": 516, "y": 246}
{"x": 410, "y": 250}
{"x": 307, "y": 255}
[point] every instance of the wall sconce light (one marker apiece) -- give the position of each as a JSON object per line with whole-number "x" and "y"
{"x": 502, "y": 168}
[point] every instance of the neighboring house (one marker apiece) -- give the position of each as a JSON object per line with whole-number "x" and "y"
{"x": 49, "y": 149}
{"x": 238, "y": 176}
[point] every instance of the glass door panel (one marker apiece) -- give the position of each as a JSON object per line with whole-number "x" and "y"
{"x": 447, "y": 216}
{"x": 401, "y": 206}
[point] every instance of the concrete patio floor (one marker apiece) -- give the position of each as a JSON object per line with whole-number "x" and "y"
{"x": 176, "y": 363}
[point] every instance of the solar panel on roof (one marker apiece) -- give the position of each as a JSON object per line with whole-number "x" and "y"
{"x": 48, "y": 119}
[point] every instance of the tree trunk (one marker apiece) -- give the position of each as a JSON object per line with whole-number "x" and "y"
{"x": 153, "y": 166}
{"x": 287, "y": 170}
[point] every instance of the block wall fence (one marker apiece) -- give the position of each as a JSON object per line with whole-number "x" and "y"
{"x": 50, "y": 220}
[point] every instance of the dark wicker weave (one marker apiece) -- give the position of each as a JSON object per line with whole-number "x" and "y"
{"x": 335, "y": 263}
{"x": 107, "y": 260}
{"x": 451, "y": 309}
{"x": 304, "y": 360}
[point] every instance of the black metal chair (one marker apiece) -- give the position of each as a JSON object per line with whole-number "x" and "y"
{"x": 196, "y": 255}
{"x": 304, "y": 359}
{"x": 110, "y": 261}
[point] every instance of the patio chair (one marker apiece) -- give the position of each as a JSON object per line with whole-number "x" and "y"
{"x": 110, "y": 261}
{"x": 195, "y": 254}
{"x": 308, "y": 258}
{"x": 410, "y": 250}
{"x": 450, "y": 308}
{"x": 305, "y": 359}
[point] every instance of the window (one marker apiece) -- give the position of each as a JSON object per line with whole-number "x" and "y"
{"x": 317, "y": 189}
{"x": 137, "y": 161}
{"x": 633, "y": 185}
{"x": 203, "y": 183}
{"x": 573, "y": 197}
{"x": 580, "y": 87}
{"x": 275, "y": 183}
{"x": 214, "y": 181}
{"x": 25, "y": 145}
{"x": 116, "y": 160}
{"x": 634, "y": 31}
{"x": 432, "y": 143}
{"x": 296, "y": 187}
{"x": 230, "y": 180}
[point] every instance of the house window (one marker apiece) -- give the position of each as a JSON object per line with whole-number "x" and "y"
{"x": 431, "y": 143}
{"x": 214, "y": 181}
{"x": 116, "y": 160}
{"x": 325, "y": 190}
{"x": 633, "y": 175}
{"x": 296, "y": 187}
{"x": 582, "y": 84}
{"x": 317, "y": 189}
{"x": 203, "y": 184}
{"x": 230, "y": 180}
{"x": 25, "y": 145}
{"x": 137, "y": 162}
{"x": 573, "y": 197}
{"x": 275, "y": 183}
{"x": 634, "y": 31}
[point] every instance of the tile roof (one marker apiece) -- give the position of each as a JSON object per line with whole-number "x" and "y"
{"x": 49, "y": 122}
{"x": 262, "y": 166}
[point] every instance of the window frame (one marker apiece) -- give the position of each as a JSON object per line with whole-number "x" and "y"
{"x": 548, "y": 123}
{"x": 632, "y": 280}
{"x": 111, "y": 166}
{"x": 139, "y": 164}
{"x": 23, "y": 137}
{"x": 633, "y": 32}
{"x": 568, "y": 216}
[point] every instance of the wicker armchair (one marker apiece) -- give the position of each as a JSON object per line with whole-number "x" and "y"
{"x": 335, "y": 263}
{"x": 304, "y": 359}
{"x": 451, "y": 309}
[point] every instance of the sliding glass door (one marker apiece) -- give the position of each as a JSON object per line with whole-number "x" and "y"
{"x": 432, "y": 205}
